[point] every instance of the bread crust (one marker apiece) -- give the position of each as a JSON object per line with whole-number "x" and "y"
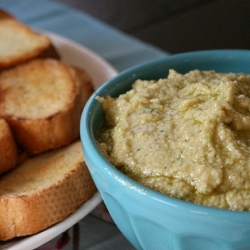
{"x": 8, "y": 148}
{"x": 53, "y": 121}
{"x": 28, "y": 206}
{"x": 5, "y": 15}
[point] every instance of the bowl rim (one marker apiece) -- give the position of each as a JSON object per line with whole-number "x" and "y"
{"x": 89, "y": 142}
{"x": 184, "y": 57}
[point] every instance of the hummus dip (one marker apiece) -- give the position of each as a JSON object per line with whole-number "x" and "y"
{"x": 187, "y": 136}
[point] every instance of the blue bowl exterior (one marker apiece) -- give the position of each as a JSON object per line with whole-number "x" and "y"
{"x": 149, "y": 219}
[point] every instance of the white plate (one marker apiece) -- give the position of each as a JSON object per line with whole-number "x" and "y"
{"x": 78, "y": 55}
{"x": 100, "y": 71}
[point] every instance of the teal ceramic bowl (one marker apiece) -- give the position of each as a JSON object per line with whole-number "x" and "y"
{"x": 147, "y": 218}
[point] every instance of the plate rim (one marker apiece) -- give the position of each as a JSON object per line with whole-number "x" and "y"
{"x": 88, "y": 52}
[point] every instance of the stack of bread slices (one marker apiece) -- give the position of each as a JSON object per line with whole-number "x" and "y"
{"x": 43, "y": 177}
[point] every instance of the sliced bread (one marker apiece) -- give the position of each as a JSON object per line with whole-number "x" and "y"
{"x": 19, "y": 43}
{"x": 43, "y": 191}
{"x": 42, "y": 101}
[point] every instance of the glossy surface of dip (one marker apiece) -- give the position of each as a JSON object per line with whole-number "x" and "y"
{"x": 187, "y": 136}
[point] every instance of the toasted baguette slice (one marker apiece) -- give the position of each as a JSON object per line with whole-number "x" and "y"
{"x": 19, "y": 43}
{"x": 42, "y": 101}
{"x": 8, "y": 148}
{"x": 43, "y": 191}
